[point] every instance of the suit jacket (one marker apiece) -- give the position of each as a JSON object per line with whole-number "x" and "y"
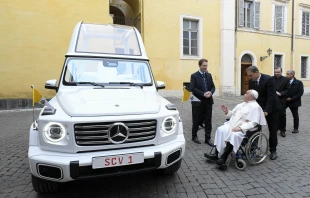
{"x": 295, "y": 93}
{"x": 267, "y": 98}
{"x": 197, "y": 87}
{"x": 282, "y": 85}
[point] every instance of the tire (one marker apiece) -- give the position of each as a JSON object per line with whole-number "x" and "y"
{"x": 44, "y": 186}
{"x": 257, "y": 138}
{"x": 171, "y": 169}
{"x": 240, "y": 164}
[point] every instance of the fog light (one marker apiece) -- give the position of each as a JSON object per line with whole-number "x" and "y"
{"x": 49, "y": 171}
{"x": 174, "y": 156}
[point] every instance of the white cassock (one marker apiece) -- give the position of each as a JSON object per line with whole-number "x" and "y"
{"x": 246, "y": 116}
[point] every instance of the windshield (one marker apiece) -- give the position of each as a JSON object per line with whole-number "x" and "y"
{"x": 107, "y": 71}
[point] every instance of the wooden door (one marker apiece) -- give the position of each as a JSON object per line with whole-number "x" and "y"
{"x": 244, "y": 78}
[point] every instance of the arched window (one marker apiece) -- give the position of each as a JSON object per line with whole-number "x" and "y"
{"x": 246, "y": 59}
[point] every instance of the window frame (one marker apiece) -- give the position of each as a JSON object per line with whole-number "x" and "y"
{"x": 303, "y": 8}
{"x": 274, "y": 54}
{"x": 255, "y": 14}
{"x": 308, "y": 65}
{"x": 284, "y": 4}
{"x": 199, "y": 37}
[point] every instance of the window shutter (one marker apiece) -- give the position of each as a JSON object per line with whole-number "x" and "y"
{"x": 241, "y": 13}
{"x": 257, "y": 15}
{"x": 307, "y": 24}
{"x": 303, "y": 23}
{"x": 283, "y": 13}
{"x": 278, "y": 18}
{"x": 252, "y": 21}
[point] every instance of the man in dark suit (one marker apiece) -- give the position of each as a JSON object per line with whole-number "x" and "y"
{"x": 294, "y": 97}
{"x": 202, "y": 87}
{"x": 269, "y": 102}
{"x": 282, "y": 86}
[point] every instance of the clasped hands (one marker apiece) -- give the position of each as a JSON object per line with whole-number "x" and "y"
{"x": 236, "y": 129}
{"x": 208, "y": 94}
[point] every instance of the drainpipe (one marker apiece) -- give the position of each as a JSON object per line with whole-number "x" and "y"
{"x": 293, "y": 37}
{"x": 237, "y": 81}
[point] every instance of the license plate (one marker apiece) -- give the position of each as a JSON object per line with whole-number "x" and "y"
{"x": 118, "y": 160}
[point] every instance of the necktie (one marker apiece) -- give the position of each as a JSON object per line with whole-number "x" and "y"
{"x": 204, "y": 82}
{"x": 256, "y": 85}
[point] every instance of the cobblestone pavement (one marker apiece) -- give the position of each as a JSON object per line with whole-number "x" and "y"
{"x": 288, "y": 176}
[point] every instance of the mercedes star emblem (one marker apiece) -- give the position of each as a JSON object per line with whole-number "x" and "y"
{"x": 118, "y": 133}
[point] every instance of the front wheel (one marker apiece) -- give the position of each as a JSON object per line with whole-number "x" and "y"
{"x": 171, "y": 169}
{"x": 240, "y": 164}
{"x": 44, "y": 186}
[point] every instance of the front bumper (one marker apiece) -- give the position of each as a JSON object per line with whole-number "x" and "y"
{"x": 79, "y": 165}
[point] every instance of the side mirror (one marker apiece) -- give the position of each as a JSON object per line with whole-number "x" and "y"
{"x": 51, "y": 84}
{"x": 160, "y": 85}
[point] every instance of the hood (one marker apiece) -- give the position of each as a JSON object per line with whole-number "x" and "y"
{"x": 104, "y": 102}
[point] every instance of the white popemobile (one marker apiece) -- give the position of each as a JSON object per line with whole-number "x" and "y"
{"x": 107, "y": 118}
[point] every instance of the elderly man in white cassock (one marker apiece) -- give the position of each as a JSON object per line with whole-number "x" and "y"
{"x": 244, "y": 117}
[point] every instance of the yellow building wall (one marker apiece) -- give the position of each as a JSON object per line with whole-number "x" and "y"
{"x": 258, "y": 44}
{"x": 162, "y": 39}
{"x": 259, "y": 41}
{"x": 35, "y": 37}
{"x": 266, "y": 16}
{"x": 302, "y": 45}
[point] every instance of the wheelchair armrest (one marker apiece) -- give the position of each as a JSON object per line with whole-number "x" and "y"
{"x": 256, "y": 129}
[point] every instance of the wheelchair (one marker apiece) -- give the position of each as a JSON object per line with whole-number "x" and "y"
{"x": 254, "y": 148}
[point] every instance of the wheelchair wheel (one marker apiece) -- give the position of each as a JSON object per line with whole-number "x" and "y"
{"x": 240, "y": 164}
{"x": 257, "y": 148}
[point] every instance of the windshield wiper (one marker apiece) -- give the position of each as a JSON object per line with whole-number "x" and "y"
{"x": 90, "y": 83}
{"x": 128, "y": 83}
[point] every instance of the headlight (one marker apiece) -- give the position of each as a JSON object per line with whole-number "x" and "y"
{"x": 169, "y": 124}
{"x": 54, "y": 132}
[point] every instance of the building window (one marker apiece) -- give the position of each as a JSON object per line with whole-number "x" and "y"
{"x": 304, "y": 67}
{"x": 278, "y": 61}
{"x": 305, "y": 23}
{"x": 249, "y": 14}
{"x": 190, "y": 37}
{"x": 246, "y": 59}
{"x": 279, "y": 18}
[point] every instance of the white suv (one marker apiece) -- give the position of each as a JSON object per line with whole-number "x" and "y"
{"x": 108, "y": 117}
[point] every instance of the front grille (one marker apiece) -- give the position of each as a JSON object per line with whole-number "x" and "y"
{"x": 94, "y": 134}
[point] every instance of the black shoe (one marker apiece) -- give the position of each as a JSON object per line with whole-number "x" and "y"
{"x": 227, "y": 150}
{"x": 295, "y": 131}
{"x": 213, "y": 156}
{"x": 282, "y": 133}
{"x": 221, "y": 161}
{"x": 208, "y": 142}
{"x": 195, "y": 139}
{"x": 273, "y": 155}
